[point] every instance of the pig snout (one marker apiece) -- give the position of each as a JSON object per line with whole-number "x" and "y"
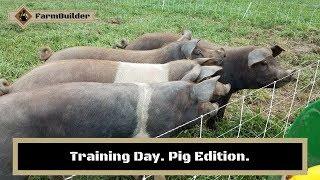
{"x": 214, "y": 109}
{"x": 285, "y": 76}
{"x": 211, "y": 108}
{"x": 221, "y": 89}
{"x": 292, "y": 74}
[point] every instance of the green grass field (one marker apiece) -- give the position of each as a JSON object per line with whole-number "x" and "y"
{"x": 294, "y": 25}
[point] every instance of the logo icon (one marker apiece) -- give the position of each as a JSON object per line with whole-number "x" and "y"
{"x": 23, "y": 16}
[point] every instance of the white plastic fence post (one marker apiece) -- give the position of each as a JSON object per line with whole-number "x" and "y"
{"x": 241, "y": 115}
{"x": 291, "y": 105}
{"x": 163, "y": 2}
{"x": 245, "y": 14}
{"x": 270, "y": 109}
{"x": 200, "y": 136}
{"x": 201, "y": 126}
{"x": 313, "y": 82}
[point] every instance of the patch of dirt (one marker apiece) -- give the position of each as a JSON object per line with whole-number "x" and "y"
{"x": 115, "y": 21}
{"x": 299, "y": 48}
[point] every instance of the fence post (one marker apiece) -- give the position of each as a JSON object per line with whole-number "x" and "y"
{"x": 245, "y": 14}
{"x": 241, "y": 115}
{"x": 201, "y": 124}
{"x": 291, "y": 105}
{"x": 270, "y": 109}
{"x": 163, "y": 2}
{"x": 313, "y": 82}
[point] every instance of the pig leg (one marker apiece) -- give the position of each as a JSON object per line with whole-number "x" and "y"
{"x": 193, "y": 74}
{"x": 213, "y": 119}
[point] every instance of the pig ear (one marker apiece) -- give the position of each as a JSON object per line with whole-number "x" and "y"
{"x": 188, "y": 47}
{"x": 221, "y": 52}
{"x": 208, "y": 71}
{"x": 201, "y": 60}
{"x": 203, "y": 91}
{"x": 276, "y": 50}
{"x": 258, "y": 55}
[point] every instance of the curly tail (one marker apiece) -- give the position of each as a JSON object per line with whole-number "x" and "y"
{"x": 45, "y": 53}
{"x": 123, "y": 44}
{"x": 4, "y": 87}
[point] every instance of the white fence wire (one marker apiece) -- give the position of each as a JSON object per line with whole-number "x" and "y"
{"x": 241, "y": 121}
{"x": 292, "y": 109}
{"x": 310, "y": 74}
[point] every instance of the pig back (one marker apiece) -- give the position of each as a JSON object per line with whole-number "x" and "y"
{"x": 70, "y": 110}
{"x": 89, "y": 110}
{"x": 98, "y": 53}
{"x": 66, "y": 71}
{"x": 152, "y": 41}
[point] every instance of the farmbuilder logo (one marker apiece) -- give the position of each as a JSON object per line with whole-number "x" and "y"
{"x": 23, "y": 16}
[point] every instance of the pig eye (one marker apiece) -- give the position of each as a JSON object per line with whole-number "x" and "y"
{"x": 264, "y": 63}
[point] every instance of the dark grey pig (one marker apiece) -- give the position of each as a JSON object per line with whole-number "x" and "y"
{"x": 112, "y": 72}
{"x": 173, "y": 51}
{"x": 95, "y": 110}
{"x": 248, "y": 67}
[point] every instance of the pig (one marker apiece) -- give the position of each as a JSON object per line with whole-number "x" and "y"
{"x": 149, "y": 41}
{"x": 112, "y": 72}
{"x": 173, "y": 51}
{"x": 249, "y": 67}
{"x": 102, "y": 110}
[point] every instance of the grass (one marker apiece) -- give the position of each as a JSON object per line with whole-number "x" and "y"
{"x": 294, "y": 25}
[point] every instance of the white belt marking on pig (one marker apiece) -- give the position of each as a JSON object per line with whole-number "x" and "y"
{"x": 143, "y": 73}
{"x": 145, "y": 92}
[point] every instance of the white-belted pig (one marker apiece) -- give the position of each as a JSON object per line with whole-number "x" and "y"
{"x": 99, "y": 110}
{"x": 111, "y": 72}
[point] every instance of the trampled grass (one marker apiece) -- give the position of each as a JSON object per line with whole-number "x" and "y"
{"x": 294, "y": 25}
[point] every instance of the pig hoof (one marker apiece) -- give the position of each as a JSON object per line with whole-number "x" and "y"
{"x": 45, "y": 53}
{"x": 4, "y": 87}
